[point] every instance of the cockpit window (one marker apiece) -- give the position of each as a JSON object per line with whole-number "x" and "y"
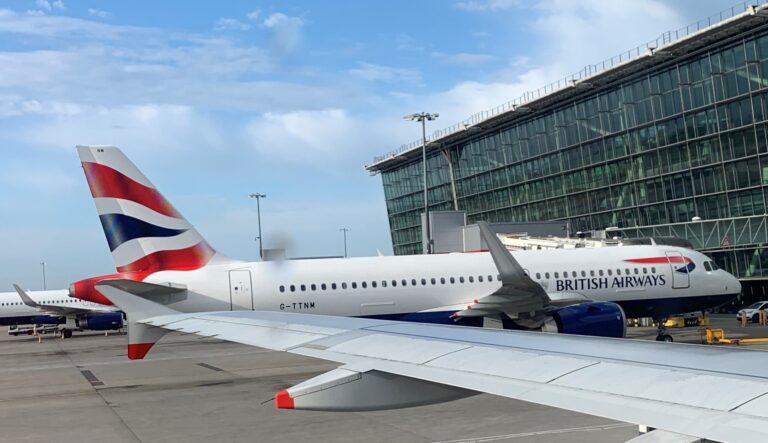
{"x": 714, "y": 266}
{"x": 707, "y": 266}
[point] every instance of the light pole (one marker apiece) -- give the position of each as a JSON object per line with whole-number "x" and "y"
{"x": 42, "y": 263}
{"x": 423, "y": 117}
{"x": 345, "y": 230}
{"x": 258, "y": 196}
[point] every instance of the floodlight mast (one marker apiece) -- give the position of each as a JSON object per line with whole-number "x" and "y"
{"x": 423, "y": 117}
{"x": 258, "y": 196}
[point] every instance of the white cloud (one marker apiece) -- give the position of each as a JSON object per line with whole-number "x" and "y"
{"x": 487, "y": 5}
{"x": 407, "y": 43}
{"x": 463, "y": 58}
{"x": 50, "y": 6}
{"x": 99, "y": 13}
{"x": 373, "y": 72}
{"x": 286, "y": 31}
{"x": 230, "y": 24}
{"x": 253, "y": 15}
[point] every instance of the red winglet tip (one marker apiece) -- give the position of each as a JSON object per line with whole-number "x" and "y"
{"x": 283, "y": 400}
{"x": 137, "y": 351}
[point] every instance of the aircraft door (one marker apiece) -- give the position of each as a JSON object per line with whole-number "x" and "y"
{"x": 680, "y": 276}
{"x": 240, "y": 290}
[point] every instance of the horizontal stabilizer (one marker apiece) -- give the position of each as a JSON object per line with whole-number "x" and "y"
{"x": 164, "y": 294}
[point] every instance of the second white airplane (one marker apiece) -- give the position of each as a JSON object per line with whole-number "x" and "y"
{"x": 159, "y": 255}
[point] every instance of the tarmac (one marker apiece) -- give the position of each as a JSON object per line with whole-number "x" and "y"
{"x": 198, "y": 390}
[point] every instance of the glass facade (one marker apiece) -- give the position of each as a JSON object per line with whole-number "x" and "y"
{"x": 686, "y": 139}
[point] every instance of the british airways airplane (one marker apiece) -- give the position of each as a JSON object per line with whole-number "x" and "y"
{"x": 160, "y": 256}
{"x": 57, "y": 308}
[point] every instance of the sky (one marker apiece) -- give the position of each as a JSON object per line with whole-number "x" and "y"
{"x": 217, "y": 100}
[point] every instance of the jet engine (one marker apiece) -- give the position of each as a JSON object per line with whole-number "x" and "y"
{"x": 599, "y": 319}
{"x": 101, "y": 322}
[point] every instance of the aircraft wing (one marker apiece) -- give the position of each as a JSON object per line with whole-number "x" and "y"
{"x": 518, "y": 292}
{"x": 686, "y": 390}
{"x": 55, "y": 309}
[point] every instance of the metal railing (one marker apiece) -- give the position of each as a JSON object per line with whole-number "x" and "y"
{"x": 665, "y": 39}
{"x": 720, "y": 234}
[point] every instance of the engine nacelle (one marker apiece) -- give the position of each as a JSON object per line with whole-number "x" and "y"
{"x": 101, "y": 322}
{"x": 600, "y": 319}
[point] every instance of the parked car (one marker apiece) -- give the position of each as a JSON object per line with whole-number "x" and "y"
{"x": 753, "y": 311}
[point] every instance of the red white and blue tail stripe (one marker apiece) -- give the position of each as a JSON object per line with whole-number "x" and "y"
{"x": 144, "y": 231}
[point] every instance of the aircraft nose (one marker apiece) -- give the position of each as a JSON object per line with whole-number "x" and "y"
{"x": 732, "y": 285}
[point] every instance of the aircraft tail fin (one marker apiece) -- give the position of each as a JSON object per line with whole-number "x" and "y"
{"x": 141, "y": 337}
{"x": 144, "y": 231}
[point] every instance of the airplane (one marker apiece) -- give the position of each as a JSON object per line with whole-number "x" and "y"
{"x": 57, "y": 308}
{"x": 159, "y": 255}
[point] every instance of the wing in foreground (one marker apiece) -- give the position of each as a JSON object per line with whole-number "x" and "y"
{"x": 705, "y": 392}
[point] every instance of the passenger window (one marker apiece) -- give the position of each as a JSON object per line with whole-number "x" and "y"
{"x": 323, "y": 287}
{"x": 645, "y": 270}
{"x": 303, "y": 287}
{"x": 373, "y": 284}
{"x": 432, "y": 280}
{"x": 626, "y": 271}
{"x": 394, "y": 283}
{"x": 610, "y": 272}
{"x": 383, "y": 283}
{"x": 583, "y": 273}
{"x": 653, "y": 269}
{"x": 637, "y": 271}
{"x": 538, "y": 276}
{"x": 471, "y": 279}
{"x": 452, "y": 280}
{"x": 362, "y": 285}
{"x": 490, "y": 278}
{"x": 413, "y": 282}
{"x": 442, "y": 280}
{"x": 557, "y": 275}
{"x": 333, "y": 286}
{"x": 591, "y": 272}
{"x": 600, "y": 272}
{"x": 354, "y": 285}
{"x": 344, "y": 285}
{"x": 424, "y": 282}
{"x": 480, "y": 278}
{"x": 282, "y": 288}
{"x": 618, "y": 272}
{"x": 404, "y": 282}
{"x": 546, "y": 275}
{"x": 461, "y": 279}
{"x": 313, "y": 287}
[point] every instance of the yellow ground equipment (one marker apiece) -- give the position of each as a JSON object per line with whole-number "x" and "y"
{"x": 717, "y": 337}
{"x": 682, "y": 322}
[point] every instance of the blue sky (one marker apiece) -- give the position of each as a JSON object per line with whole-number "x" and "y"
{"x": 216, "y": 100}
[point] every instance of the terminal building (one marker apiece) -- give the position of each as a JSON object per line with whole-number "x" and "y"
{"x": 669, "y": 139}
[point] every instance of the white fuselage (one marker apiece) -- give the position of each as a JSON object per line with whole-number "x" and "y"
{"x": 386, "y": 286}
{"x": 14, "y": 311}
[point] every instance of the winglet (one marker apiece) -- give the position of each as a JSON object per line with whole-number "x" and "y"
{"x": 25, "y": 297}
{"x": 141, "y": 337}
{"x": 509, "y": 269}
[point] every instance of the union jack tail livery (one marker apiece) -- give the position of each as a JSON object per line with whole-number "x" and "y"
{"x": 145, "y": 233}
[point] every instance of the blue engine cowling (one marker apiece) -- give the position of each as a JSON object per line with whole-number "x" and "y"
{"x": 101, "y": 322}
{"x": 601, "y": 319}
